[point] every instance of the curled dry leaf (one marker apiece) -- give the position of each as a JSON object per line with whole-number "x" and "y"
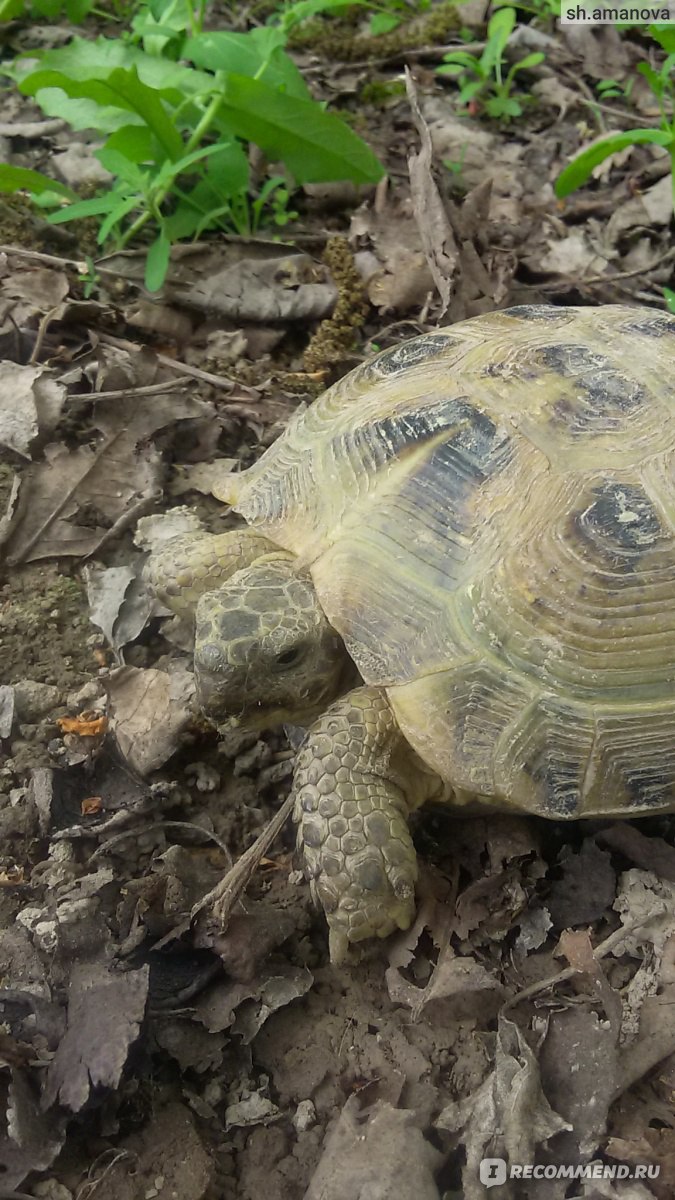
{"x": 148, "y": 711}
{"x": 508, "y": 1116}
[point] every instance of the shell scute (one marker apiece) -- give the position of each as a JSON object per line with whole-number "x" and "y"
{"x": 488, "y": 516}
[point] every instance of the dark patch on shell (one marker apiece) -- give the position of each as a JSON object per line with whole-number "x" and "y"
{"x": 411, "y": 353}
{"x": 657, "y": 326}
{"x": 605, "y": 392}
{"x": 536, "y": 312}
{"x": 620, "y": 521}
{"x": 649, "y": 786}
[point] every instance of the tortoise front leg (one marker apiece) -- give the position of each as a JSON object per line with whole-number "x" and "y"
{"x": 191, "y": 564}
{"x": 355, "y": 783}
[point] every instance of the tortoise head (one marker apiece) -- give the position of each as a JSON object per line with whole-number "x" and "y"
{"x": 264, "y": 651}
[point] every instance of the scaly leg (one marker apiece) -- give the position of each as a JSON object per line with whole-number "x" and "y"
{"x": 188, "y": 566}
{"x": 356, "y": 780}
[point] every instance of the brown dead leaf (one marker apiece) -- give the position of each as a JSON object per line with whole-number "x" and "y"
{"x": 461, "y": 985}
{"x": 105, "y": 479}
{"x": 120, "y": 605}
{"x": 32, "y": 1138}
{"x": 380, "y": 1152}
{"x": 438, "y": 239}
{"x": 148, "y": 711}
{"x": 105, "y": 1010}
{"x": 656, "y": 1149}
{"x": 579, "y": 1063}
{"x": 650, "y": 853}
{"x": 31, "y": 401}
{"x": 586, "y": 888}
{"x": 577, "y": 948}
{"x": 508, "y": 1116}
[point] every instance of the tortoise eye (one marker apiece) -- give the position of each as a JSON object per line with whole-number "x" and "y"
{"x": 289, "y": 658}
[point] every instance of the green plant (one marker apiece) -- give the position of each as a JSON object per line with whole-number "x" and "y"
{"x": 662, "y": 84}
{"x": 176, "y": 136}
{"x": 669, "y": 297}
{"x": 390, "y": 15}
{"x": 535, "y": 8}
{"x": 456, "y": 165}
{"x": 485, "y": 76}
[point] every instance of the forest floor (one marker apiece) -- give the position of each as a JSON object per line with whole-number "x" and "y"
{"x": 529, "y": 1013}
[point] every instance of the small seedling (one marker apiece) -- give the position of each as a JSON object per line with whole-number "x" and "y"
{"x": 175, "y": 136}
{"x": 484, "y": 76}
{"x": 662, "y": 84}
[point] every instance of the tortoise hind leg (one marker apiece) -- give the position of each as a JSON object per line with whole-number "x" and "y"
{"x": 354, "y": 786}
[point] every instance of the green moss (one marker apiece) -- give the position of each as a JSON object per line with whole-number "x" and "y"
{"x": 335, "y": 39}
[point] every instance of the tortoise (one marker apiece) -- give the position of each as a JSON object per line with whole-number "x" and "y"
{"x": 481, "y": 522}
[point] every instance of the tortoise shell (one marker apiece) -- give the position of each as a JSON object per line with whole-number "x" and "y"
{"x": 488, "y": 515}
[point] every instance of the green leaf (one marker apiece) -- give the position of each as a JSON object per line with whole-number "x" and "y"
{"x": 133, "y": 141}
{"x": 471, "y": 89}
{"x": 303, "y": 10}
{"x": 228, "y": 170}
{"x": 383, "y": 23}
{"x": 157, "y": 262}
{"x": 15, "y": 179}
{"x": 503, "y": 106}
{"x": 85, "y": 208}
{"x": 171, "y": 170}
{"x": 9, "y": 9}
{"x": 578, "y": 170}
{"x": 119, "y": 88}
{"x": 77, "y": 10}
{"x": 125, "y": 205}
{"x": 461, "y": 58}
{"x": 118, "y": 164}
{"x": 669, "y": 297}
{"x": 655, "y": 82}
{"x": 500, "y": 28}
{"x": 258, "y": 54}
{"x": 530, "y": 60}
{"x": 85, "y": 60}
{"x": 664, "y": 35}
{"x": 315, "y": 145}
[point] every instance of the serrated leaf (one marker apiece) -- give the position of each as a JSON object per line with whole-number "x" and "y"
{"x": 15, "y": 179}
{"x": 157, "y": 262}
{"x": 577, "y": 172}
{"x": 315, "y": 145}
